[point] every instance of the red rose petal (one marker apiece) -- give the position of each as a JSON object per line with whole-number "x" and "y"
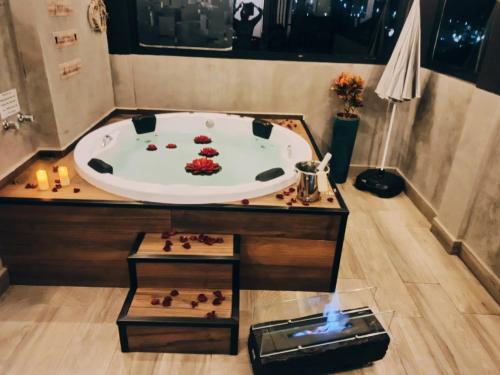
{"x": 305, "y": 204}
{"x": 329, "y": 199}
{"x": 289, "y": 203}
{"x": 202, "y": 166}
{"x": 193, "y": 238}
{"x": 55, "y": 168}
{"x": 186, "y": 246}
{"x": 245, "y": 201}
{"x": 216, "y": 301}
{"x": 291, "y": 190}
{"x": 194, "y": 304}
{"x": 183, "y": 239}
{"x": 171, "y": 145}
{"x": 167, "y": 247}
{"x": 280, "y": 196}
{"x": 202, "y": 298}
{"x": 208, "y": 152}
{"x": 54, "y": 189}
{"x": 167, "y": 301}
{"x": 57, "y": 181}
{"x": 218, "y": 294}
{"x": 155, "y": 301}
{"x": 165, "y": 235}
{"x": 151, "y": 147}
{"x": 211, "y": 315}
{"x": 58, "y": 186}
{"x": 76, "y": 190}
{"x": 202, "y": 139}
{"x": 174, "y": 293}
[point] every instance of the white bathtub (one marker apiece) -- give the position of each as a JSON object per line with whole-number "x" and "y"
{"x": 160, "y": 176}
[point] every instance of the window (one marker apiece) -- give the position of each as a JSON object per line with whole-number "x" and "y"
{"x": 185, "y": 24}
{"x": 461, "y": 35}
{"x": 350, "y": 28}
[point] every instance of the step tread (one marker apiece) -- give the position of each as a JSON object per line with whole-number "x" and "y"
{"x": 153, "y": 244}
{"x": 141, "y": 306}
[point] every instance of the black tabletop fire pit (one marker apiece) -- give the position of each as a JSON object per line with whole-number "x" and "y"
{"x": 317, "y": 344}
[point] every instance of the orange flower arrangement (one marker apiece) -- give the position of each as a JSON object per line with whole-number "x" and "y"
{"x": 348, "y": 88}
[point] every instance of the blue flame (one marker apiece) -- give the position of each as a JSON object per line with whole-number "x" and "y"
{"x": 336, "y": 320}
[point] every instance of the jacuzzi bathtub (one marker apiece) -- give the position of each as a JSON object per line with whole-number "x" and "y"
{"x": 246, "y": 149}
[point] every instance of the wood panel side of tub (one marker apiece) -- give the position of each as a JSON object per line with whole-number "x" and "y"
{"x": 51, "y": 244}
{"x": 73, "y": 245}
{"x": 286, "y": 264}
{"x": 284, "y": 224}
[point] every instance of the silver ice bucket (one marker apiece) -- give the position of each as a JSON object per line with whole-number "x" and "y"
{"x": 307, "y": 184}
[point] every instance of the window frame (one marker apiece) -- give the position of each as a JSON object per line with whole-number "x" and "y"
{"x": 133, "y": 46}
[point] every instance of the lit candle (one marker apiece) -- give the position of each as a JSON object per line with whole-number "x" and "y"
{"x": 42, "y": 179}
{"x": 63, "y": 175}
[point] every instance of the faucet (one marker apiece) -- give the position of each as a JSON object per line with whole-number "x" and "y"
{"x": 22, "y": 117}
{"x": 7, "y": 125}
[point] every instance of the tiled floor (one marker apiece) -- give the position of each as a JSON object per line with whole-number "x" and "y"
{"x": 444, "y": 321}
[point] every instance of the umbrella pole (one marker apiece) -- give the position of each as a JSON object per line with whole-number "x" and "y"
{"x": 388, "y": 137}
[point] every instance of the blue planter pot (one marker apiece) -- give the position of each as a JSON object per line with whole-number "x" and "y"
{"x": 344, "y": 136}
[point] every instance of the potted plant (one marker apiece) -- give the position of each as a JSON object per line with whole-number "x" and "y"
{"x": 348, "y": 88}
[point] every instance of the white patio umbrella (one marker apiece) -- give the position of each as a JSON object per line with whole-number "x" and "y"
{"x": 400, "y": 81}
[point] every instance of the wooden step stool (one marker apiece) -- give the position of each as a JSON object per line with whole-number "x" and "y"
{"x": 180, "y": 328}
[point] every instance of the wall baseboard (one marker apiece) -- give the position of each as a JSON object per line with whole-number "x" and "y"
{"x": 485, "y": 275}
{"x": 4, "y": 280}
{"x": 449, "y": 243}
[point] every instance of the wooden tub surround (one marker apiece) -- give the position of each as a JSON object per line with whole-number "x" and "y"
{"x": 85, "y": 236}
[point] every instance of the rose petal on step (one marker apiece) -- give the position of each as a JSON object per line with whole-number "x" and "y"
{"x": 202, "y": 298}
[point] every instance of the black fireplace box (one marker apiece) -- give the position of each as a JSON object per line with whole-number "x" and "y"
{"x": 364, "y": 342}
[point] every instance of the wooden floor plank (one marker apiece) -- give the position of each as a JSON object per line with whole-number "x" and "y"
{"x": 468, "y": 295}
{"x": 421, "y": 350}
{"x": 380, "y": 272}
{"x": 487, "y": 328}
{"x": 453, "y": 328}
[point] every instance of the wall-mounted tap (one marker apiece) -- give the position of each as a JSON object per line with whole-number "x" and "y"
{"x": 7, "y": 125}
{"x": 22, "y": 117}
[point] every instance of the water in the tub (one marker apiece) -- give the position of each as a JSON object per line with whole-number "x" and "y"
{"x": 241, "y": 157}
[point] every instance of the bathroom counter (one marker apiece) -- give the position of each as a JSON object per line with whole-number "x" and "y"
{"x": 85, "y": 237}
